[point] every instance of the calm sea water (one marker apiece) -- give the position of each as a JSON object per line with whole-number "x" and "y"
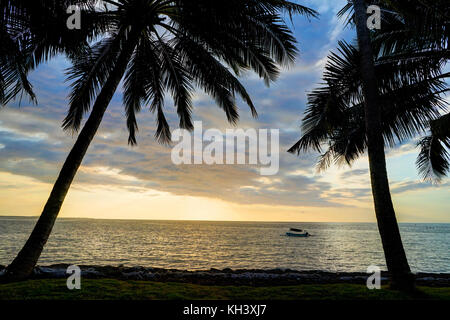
{"x": 202, "y": 245}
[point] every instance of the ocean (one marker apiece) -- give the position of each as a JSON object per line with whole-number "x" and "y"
{"x": 201, "y": 245}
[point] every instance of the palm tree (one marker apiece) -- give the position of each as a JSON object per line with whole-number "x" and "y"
{"x": 159, "y": 46}
{"x": 411, "y": 100}
{"x": 420, "y": 31}
{"x": 357, "y": 116}
{"x": 394, "y": 252}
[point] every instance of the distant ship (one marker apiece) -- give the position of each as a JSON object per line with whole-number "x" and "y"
{"x": 293, "y": 232}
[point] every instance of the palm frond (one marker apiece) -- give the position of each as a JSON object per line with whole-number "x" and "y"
{"x": 32, "y": 32}
{"x": 433, "y": 159}
{"x": 89, "y": 72}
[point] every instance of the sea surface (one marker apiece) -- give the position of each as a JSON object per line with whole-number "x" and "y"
{"x": 194, "y": 245}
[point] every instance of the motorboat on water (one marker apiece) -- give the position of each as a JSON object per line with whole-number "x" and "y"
{"x": 299, "y": 233}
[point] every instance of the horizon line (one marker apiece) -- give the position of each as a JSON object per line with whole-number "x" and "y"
{"x": 202, "y": 220}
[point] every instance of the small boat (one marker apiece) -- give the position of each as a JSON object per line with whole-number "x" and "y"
{"x": 294, "y": 232}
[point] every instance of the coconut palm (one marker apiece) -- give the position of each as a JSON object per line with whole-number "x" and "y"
{"x": 394, "y": 252}
{"x": 364, "y": 106}
{"x": 420, "y": 31}
{"x": 411, "y": 98}
{"x": 160, "y": 47}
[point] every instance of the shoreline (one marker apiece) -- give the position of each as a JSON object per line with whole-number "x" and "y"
{"x": 227, "y": 276}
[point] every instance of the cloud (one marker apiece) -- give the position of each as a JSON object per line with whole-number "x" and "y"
{"x": 354, "y": 173}
{"x": 414, "y": 185}
{"x": 33, "y": 144}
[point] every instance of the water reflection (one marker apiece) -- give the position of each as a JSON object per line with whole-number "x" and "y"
{"x": 203, "y": 245}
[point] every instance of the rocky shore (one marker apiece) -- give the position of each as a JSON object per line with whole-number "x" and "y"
{"x": 251, "y": 277}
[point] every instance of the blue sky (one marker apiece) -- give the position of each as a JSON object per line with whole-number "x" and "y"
{"x": 119, "y": 181}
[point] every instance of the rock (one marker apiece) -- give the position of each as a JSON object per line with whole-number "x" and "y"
{"x": 227, "y": 276}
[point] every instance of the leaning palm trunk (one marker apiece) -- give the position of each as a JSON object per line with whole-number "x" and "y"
{"x": 23, "y": 264}
{"x": 396, "y": 260}
{"x": 173, "y": 46}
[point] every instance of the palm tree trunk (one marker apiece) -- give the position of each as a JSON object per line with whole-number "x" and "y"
{"x": 23, "y": 264}
{"x": 394, "y": 252}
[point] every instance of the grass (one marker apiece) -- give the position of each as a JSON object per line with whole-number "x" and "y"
{"x": 111, "y": 289}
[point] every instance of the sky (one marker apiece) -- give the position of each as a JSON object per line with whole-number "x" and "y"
{"x": 117, "y": 181}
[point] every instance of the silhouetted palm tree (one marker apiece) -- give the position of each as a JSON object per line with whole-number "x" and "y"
{"x": 411, "y": 97}
{"x": 160, "y": 46}
{"x": 394, "y": 252}
{"x": 367, "y": 102}
{"x": 420, "y": 31}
